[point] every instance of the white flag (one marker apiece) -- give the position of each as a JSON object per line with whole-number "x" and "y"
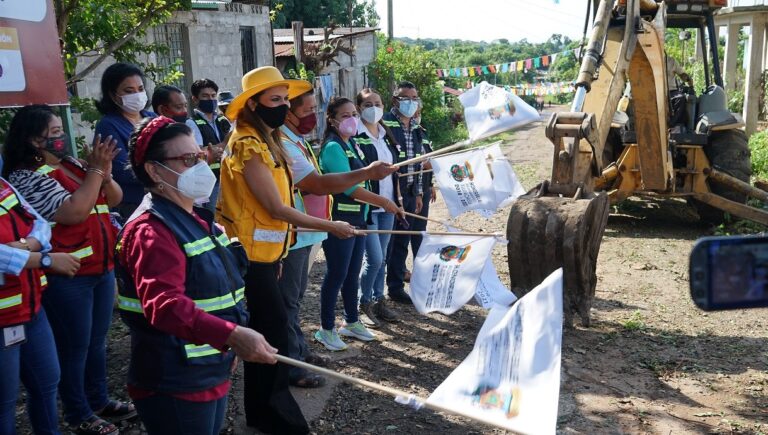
{"x": 465, "y": 182}
{"x": 490, "y": 290}
{"x": 446, "y": 271}
{"x": 505, "y": 181}
{"x": 512, "y": 375}
{"x": 489, "y": 110}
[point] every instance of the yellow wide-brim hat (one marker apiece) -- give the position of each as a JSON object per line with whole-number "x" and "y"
{"x": 260, "y": 79}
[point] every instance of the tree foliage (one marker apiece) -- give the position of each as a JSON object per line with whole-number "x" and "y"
{"x": 98, "y": 29}
{"x": 397, "y": 61}
{"x": 323, "y": 13}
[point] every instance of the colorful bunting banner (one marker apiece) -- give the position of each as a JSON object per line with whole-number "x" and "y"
{"x": 470, "y": 71}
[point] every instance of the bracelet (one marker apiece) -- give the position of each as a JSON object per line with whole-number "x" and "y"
{"x": 97, "y": 171}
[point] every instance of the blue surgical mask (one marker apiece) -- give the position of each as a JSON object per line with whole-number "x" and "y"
{"x": 207, "y": 106}
{"x": 408, "y": 108}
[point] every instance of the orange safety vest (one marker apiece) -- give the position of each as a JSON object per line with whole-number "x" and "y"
{"x": 92, "y": 241}
{"x": 19, "y": 295}
{"x": 265, "y": 239}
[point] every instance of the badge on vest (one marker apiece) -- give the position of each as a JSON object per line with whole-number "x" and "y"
{"x": 14, "y": 335}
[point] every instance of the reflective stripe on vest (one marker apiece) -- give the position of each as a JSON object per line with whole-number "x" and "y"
{"x": 43, "y": 280}
{"x": 207, "y": 305}
{"x": 100, "y": 209}
{"x": 8, "y": 203}
{"x": 215, "y": 166}
{"x": 390, "y": 124}
{"x": 82, "y": 253}
{"x": 129, "y": 304}
{"x": 268, "y": 236}
{"x": 201, "y": 122}
{"x": 195, "y": 351}
{"x": 45, "y": 170}
{"x": 349, "y": 208}
{"x": 11, "y": 301}
{"x": 402, "y": 154}
{"x": 204, "y": 245}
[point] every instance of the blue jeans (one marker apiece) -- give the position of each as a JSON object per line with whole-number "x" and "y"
{"x": 374, "y": 262}
{"x": 167, "y": 415}
{"x": 80, "y": 312}
{"x": 35, "y": 363}
{"x": 343, "y": 259}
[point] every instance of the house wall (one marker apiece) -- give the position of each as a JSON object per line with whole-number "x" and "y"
{"x": 212, "y": 49}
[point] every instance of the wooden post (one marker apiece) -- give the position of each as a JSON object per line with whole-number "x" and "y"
{"x": 298, "y": 41}
{"x": 731, "y": 53}
{"x": 753, "y": 69}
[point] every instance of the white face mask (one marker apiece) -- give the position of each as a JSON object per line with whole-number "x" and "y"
{"x": 372, "y": 114}
{"x": 134, "y": 103}
{"x": 196, "y": 182}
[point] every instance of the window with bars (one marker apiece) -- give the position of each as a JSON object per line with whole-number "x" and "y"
{"x": 173, "y": 37}
{"x": 248, "y": 48}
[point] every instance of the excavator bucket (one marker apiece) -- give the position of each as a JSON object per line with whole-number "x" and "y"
{"x": 546, "y": 232}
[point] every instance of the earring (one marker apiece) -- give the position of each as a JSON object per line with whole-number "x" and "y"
{"x": 160, "y": 186}
{"x": 39, "y": 158}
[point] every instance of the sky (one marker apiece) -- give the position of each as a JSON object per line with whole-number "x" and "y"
{"x": 485, "y": 20}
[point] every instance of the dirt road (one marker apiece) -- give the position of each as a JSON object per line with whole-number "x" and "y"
{"x": 650, "y": 363}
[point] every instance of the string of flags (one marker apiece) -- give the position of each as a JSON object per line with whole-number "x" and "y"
{"x": 541, "y": 88}
{"x": 520, "y": 65}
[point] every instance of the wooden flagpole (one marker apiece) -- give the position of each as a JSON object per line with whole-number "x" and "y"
{"x": 361, "y": 232}
{"x": 424, "y": 218}
{"x": 423, "y": 171}
{"x": 428, "y": 156}
{"x": 411, "y": 398}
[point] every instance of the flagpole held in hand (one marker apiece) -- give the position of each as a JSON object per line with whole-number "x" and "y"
{"x": 428, "y": 156}
{"x": 400, "y": 396}
{"x": 424, "y": 218}
{"x": 362, "y": 232}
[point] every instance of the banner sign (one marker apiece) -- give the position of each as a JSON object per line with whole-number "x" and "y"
{"x": 446, "y": 271}
{"x": 31, "y": 69}
{"x": 512, "y": 375}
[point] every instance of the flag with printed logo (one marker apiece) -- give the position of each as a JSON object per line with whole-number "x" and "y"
{"x": 446, "y": 271}
{"x": 490, "y": 110}
{"x": 465, "y": 182}
{"x": 512, "y": 375}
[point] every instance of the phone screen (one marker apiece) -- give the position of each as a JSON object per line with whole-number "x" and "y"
{"x": 730, "y": 272}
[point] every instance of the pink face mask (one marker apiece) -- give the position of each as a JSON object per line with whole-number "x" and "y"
{"x": 348, "y": 127}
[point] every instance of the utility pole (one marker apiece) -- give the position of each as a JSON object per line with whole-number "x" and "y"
{"x": 390, "y": 23}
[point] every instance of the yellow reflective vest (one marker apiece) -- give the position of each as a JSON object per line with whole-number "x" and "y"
{"x": 265, "y": 239}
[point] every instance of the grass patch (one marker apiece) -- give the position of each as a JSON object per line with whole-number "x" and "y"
{"x": 635, "y": 322}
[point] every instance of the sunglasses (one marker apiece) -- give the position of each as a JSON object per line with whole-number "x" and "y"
{"x": 190, "y": 159}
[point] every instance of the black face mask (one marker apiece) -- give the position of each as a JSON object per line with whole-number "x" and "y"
{"x": 57, "y": 145}
{"x": 274, "y": 117}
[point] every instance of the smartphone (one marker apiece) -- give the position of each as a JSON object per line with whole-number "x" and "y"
{"x": 729, "y": 272}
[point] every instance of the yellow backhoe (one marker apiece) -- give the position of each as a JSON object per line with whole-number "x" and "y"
{"x": 626, "y": 135}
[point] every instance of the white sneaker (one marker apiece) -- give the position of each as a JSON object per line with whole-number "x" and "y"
{"x": 358, "y": 331}
{"x": 330, "y": 339}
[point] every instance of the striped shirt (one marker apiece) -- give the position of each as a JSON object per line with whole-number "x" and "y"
{"x": 13, "y": 260}
{"x": 43, "y": 193}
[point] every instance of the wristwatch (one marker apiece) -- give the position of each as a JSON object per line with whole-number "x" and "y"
{"x": 24, "y": 244}
{"x": 45, "y": 261}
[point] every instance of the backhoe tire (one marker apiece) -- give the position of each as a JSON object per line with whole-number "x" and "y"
{"x": 727, "y": 151}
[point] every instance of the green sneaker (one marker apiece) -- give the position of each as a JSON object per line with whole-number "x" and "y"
{"x": 330, "y": 339}
{"x": 358, "y": 331}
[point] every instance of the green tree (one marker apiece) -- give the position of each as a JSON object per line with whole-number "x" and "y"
{"x": 322, "y": 13}
{"x": 396, "y": 62}
{"x": 100, "y": 29}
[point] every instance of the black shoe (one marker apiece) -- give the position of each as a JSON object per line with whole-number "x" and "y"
{"x": 400, "y": 296}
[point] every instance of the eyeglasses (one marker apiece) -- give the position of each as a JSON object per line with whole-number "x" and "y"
{"x": 190, "y": 159}
{"x": 416, "y": 99}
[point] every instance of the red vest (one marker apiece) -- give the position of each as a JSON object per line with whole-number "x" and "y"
{"x": 20, "y": 296}
{"x": 92, "y": 241}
